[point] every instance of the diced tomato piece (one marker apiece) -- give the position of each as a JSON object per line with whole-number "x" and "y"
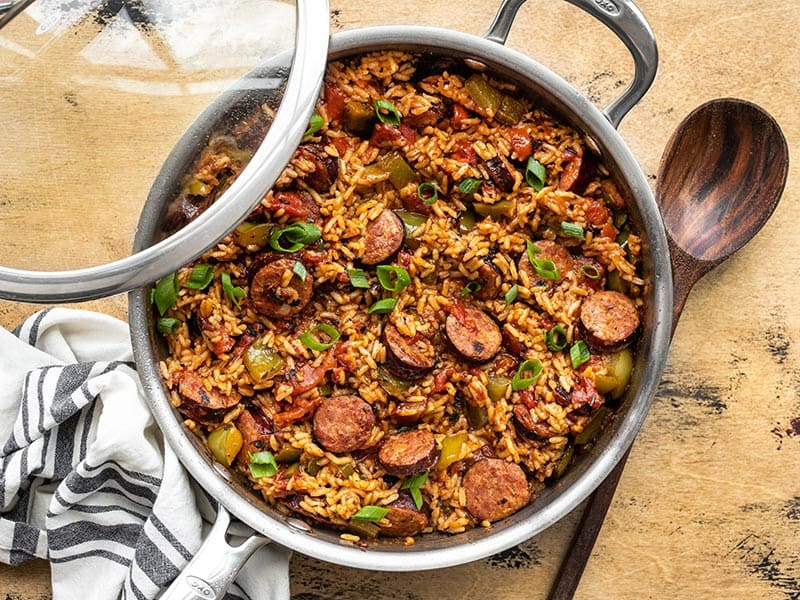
{"x": 334, "y": 101}
{"x": 464, "y": 152}
{"x": 596, "y": 213}
{"x": 459, "y": 114}
{"x": 342, "y": 144}
{"x": 414, "y": 203}
{"x": 584, "y": 392}
{"x": 385, "y": 134}
{"x": 520, "y": 142}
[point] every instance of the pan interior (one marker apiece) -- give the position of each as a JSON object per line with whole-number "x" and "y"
{"x": 430, "y": 550}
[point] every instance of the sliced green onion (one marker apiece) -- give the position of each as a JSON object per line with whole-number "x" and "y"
{"x": 310, "y": 340}
{"x": 591, "y": 271}
{"x": 370, "y": 512}
{"x": 391, "y": 278}
{"x": 428, "y": 192}
{"x": 296, "y": 236}
{"x": 544, "y": 267}
{"x": 535, "y": 174}
{"x": 387, "y": 112}
{"x": 383, "y": 306}
{"x": 231, "y": 291}
{"x": 200, "y": 277}
{"x": 511, "y": 294}
{"x": 165, "y": 294}
{"x": 358, "y": 278}
{"x": 168, "y": 325}
{"x": 520, "y": 382}
{"x": 470, "y": 288}
{"x": 413, "y": 485}
{"x": 572, "y": 230}
{"x": 315, "y": 123}
{"x": 469, "y": 185}
{"x": 556, "y": 338}
{"x": 299, "y": 269}
{"x": 262, "y": 464}
{"x": 579, "y": 353}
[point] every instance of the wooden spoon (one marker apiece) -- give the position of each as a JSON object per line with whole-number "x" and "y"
{"x": 719, "y": 180}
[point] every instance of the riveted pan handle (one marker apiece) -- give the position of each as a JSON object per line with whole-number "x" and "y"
{"x": 216, "y": 564}
{"x": 626, "y": 21}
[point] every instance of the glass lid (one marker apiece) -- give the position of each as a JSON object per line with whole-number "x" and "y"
{"x": 102, "y": 102}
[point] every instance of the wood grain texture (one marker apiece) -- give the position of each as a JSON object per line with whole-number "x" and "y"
{"x": 708, "y": 504}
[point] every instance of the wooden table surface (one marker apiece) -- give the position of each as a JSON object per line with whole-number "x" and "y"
{"x": 709, "y": 504}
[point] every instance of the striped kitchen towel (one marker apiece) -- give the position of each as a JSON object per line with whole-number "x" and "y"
{"x": 87, "y": 481}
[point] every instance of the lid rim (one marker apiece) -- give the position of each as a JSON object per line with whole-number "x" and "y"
{"x": 189, "y": 242}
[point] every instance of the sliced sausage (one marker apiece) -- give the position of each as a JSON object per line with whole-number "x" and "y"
{"x": 404, "y": 518}
{"x": 326, "y": 167}
{"x": 609, "y": 317}
{"x": 579, "y": 168}
{"x": 473, "y": 333}
{"x": 490, "y": 280}
{"x": 408, "y": 413}
{"x": 296, "y": 205}
{"x": 548, "y": 250}
{"x": 408, "y": 453}
{"x": 271, "y": 297}
{"x": 499, "y": 173}
{"x": 428, "y": 118}
{"x": 495, "y": 488}
{"x": 382, "y": 238}
{"x": 343, "y": 423}
{"x": 191, "y": 389}
{"x": 408, "y": 358}
{"x": 256, "y": 431}
{"x": 385, "y": 135}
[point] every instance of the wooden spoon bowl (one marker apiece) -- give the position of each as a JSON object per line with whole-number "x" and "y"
{"x": 720, "y": 179}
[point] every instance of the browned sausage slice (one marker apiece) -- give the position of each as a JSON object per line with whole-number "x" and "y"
{"x": 473, "y": 333}
{"x": 382, "y": 238}
{"x": 191, "y": 389}
{"x": 490, "y": 280}
{"x": 326, "y": 167}
{"x": 495, "y": 488}
{"x": 404, "y": 518}
{"x": 408, "y": 358}
{"x": 343, "y": 423}
{"x": 271, "y": 297}
{"x": 548, "y": 250}
{"x": 609, "y": 317}
{"x": 408, "y": 453}
{"x": 255, "y": 431}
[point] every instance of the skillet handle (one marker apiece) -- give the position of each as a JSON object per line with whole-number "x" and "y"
{"x": 216, "y": 564}
{"x": 630, "y": 26}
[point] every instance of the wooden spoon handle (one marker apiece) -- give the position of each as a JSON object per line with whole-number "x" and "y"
{"x": 580, "y": 549}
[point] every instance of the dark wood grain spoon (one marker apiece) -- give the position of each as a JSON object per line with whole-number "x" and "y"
{"x": 720, "y": 178}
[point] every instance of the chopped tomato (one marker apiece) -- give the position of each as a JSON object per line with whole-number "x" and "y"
{"x": 385, "y": 134}
{"x": 520, "y": 142}
{"x": 464, "y": 152}
{"x": 459, "y": 114}
{"x": 301, "y": 408}
{"x": 294, "y": 205}
{"x": 584, "y": 392}
{"x": 310, "y": 376}
{"x": 441, "y": 378}
{"x": 342, "y": 144}
{"x": 414, "y": 203}
{"x": 596, "y": 213}
{"x": 334, "y": 101}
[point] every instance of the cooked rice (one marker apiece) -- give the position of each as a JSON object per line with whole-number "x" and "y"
{"x": 331, "y": 487}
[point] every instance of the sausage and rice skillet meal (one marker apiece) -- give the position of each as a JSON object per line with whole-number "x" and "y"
{"x": 423, "y": 320}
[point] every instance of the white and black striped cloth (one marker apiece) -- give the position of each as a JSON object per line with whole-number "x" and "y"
{"x": 86, "y": 480}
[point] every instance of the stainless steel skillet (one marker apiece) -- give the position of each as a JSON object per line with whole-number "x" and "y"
{"x": 433, "y": 551}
